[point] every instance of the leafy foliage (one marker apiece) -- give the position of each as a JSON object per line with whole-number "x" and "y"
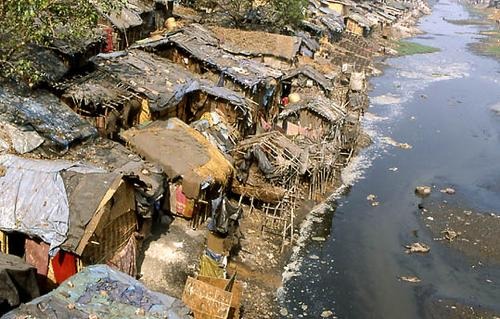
{"x": 289, "y": 12}
{"x": 274, "y": 13}
{"x": 39, "y": 23}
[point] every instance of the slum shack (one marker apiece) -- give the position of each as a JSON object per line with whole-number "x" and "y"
{"x": 134, "y": 87}
{"x": 101, "y": 292}
{"x": 81, "y": 216}
{"x": 358, "y": 24}
{"x": 197, "y": 172}
{"x": 268, "y": 165}
{"x": 199, "y": 50}
{"x": 18, "y": 281}
{"x": 304, "y": 80}
{"x": 315, "y": 117}
{"x": 133, "y": 20}
{"x": 44, "y": 113}
{"x": 324, "y": 24}
{"x": 147, "y": 178}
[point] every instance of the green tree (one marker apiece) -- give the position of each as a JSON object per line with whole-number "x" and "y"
{"x": 39, "y": 23}
{"x": 273, "y": 13}
{"x": 288, "y": 12}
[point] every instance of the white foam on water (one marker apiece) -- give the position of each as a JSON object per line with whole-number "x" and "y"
{"x": 496, "y": 108}
{"x": 386, "y": 99}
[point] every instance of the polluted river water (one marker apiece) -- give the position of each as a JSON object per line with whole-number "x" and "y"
{"x": 444, "y": 106}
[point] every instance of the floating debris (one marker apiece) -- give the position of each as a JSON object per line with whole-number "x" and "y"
{"x": 405, "y": 146}
{"x": 448, "y": 190}
{"x": 326, "y": 314}
{"x": 450, "y": 235}
{"x": 391, "y": 141}
{"x": 417, "y": 248}
{"x": 412, "y": 279}
{"x": 423, "y": 190}
{"x": 371, "y": 197}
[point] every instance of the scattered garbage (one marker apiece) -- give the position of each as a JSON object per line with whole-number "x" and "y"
{"x": 371, "y": 197}
{"x": 417, "y": 248}
{"x": 450, "y": 235}
{"x": 283, "y": 312}
{"x": 393, "y": 169}
{"x": 412, "y": 279}
{"x": 423, "y": 190}
{"x": 326, "y": 314}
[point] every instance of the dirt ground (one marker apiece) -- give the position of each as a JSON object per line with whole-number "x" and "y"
{"x": 170, "y": 256}
{"x": 490, "y": 44}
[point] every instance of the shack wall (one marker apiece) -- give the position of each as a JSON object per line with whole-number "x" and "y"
{"x": 354, "y": 27}
{"x": 117, "y": 222}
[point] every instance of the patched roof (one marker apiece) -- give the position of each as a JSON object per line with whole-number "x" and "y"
{"x": 202, "y": 45}
{"x": 164, "y": 83}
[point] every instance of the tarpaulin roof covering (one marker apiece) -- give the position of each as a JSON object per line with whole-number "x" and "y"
{"x": 104, "y": 293}
{"x": 325, "y": 108}
{"x": 181, "y": 151}
{"x": 44, "y": 112}
{"x": 203, "y": 45}
{"x": 18, "y": 281}
{"x": 163, "y": 82}
{"x": 34, "y": 200}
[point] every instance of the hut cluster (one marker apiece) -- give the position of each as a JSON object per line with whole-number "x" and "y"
{"x": 164, "y": 116}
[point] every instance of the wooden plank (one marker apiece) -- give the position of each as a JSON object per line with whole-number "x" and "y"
{"x": 205, "y": 300}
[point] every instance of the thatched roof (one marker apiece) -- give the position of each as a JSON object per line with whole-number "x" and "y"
{"x": 256, "y": 43}
{"x": 182, "y": 152}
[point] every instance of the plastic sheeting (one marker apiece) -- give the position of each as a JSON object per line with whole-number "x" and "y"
{"x": 102, "y": 292}
{"x": 33, "y": 199}
{"x": 223, "y": 213}
{"x": 23, "y": 141}
{"x": 18, "y": 282}
{"x": 49, "y": 117}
